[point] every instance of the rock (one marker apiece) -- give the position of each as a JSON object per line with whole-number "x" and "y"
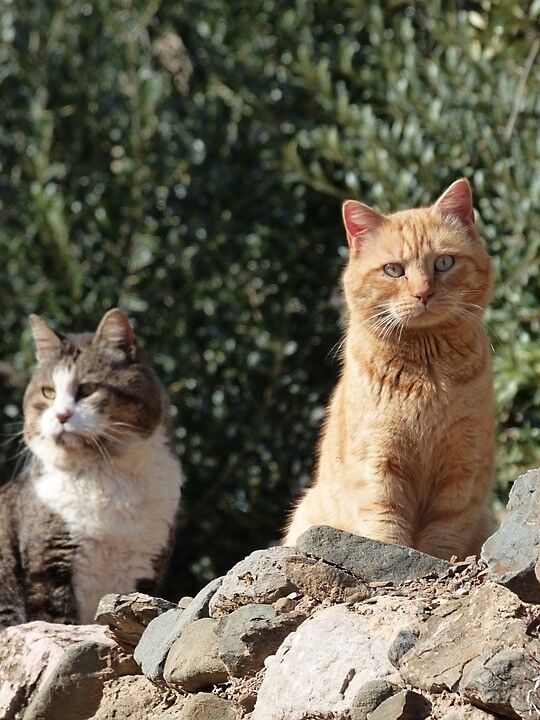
{"x": 513, "y": 552}
{"x": 161, "y": 632}
{"x": 199, "y": 607}
{"x": 467, "y": 713}
{"x": 205, "y": 706}
{"x": 322, "y": 666}
{"x": 259, "y": 578}
{"x": 136, "y": 698}
{"x": 369, "y": 560}
{"x": 30, "y": 654}
{"x": 480, "y": 646}
{"x": 155, "y": 643}
{"x": 323, "y": 581}
{"x": 403, "y": 642}
{"x": 75, "y": 688}
{"x": 502, "y": 682}
{"x": 128, "y": 615}
{"x": 250, "y": 634}
{"x": 370, "y": 696}
{"x": 193, "y": 661}
{"x": 286, "y": 604}
{"x": 184, "y": 601}
{"x": 404, "y": 705}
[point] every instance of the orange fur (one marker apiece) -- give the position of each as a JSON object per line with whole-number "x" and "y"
{"x": 407, "y": 449}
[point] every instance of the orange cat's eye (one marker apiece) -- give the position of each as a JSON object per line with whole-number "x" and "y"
{"x": 48, "y": 392}
{"x": 394, "y": 270}
{"x": 444, "y": 262}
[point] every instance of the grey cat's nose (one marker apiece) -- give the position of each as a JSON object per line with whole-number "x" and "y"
{"x": 64, "y": 416}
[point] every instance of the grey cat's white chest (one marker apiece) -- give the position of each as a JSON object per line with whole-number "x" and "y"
{"x": 119, "y": 515}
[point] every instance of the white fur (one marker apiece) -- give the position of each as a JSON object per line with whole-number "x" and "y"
{"x": 83, "y": 417}
{"x": 119, "y": 513}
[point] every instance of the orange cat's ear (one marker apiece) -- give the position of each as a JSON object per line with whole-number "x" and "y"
{"x": 359, "y": 220}
{"x": 456, "y": 201}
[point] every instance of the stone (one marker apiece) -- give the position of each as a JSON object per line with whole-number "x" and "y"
{"x": 367, "y": 559}
{"x": 403, "y": 642}
{"x": 259, "y": 578}
{"x": 286, "y": 604}
{"x": 30, "y": 654}
{"x": 482, "y": 646}
{"x": 323, "y": 581}
{"x": 205, "y": 706}
{"x": 320, "y": 668}
{"x": 74, "y": 690}
{"x": 128, "y": 615}
{"x": 193, "y": 661}
{"x": 155, "y": 643}
{"x": 404, "y": 705}
{"x": 250, "y": 634}
{"x": 199, "y": 607}
{"x": 136, "y": 698}
{"x": 467, "y": 712}
{"x": 370, "y": 696}
{"x": 512, "y": 553}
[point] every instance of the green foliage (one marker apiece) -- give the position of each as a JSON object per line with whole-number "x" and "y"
{"x": 187, "y": 160}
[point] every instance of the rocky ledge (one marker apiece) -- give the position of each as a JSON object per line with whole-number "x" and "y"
{"x": 339, "y": 627}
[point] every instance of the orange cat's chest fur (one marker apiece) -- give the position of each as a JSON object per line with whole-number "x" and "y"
{"x": 407, "y": 449}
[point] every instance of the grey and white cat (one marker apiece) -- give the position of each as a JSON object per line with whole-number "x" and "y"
{"x": 95, "y": 509}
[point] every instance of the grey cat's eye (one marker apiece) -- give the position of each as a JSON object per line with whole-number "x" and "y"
{"x": 85, "y": 390}
{"x": 444, "y": 262}
{"x": 394, "y": 270}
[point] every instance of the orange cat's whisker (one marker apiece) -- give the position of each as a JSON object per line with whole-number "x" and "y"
{"x": 407, "y": 451}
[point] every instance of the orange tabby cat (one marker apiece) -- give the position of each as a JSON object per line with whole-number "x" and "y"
{"x": 407, "y": 450}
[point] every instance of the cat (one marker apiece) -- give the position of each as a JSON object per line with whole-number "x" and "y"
{"x": 407, "y": 451}
{"x": 95, "y": 509}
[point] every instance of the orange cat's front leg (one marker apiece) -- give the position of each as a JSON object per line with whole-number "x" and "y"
{"x": 386, "y": 526}
{"x": 455, "y": 529}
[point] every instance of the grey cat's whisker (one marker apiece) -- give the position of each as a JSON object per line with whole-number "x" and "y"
{"x": 124, "y": 424}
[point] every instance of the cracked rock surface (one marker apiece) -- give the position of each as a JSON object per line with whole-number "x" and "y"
{"x": 338, "y": 628}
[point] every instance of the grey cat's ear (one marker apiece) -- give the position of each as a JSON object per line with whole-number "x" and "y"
{"x": 114, "y": 329}
{"x": 359, "y": 220}
{"x": 48, "y": 344}
{"x": 457, "y": 202}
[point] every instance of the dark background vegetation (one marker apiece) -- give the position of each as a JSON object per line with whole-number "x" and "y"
{"x": 187, "y": 160}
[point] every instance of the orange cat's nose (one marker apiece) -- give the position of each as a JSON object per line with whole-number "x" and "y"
{"x": 424, "y": 295}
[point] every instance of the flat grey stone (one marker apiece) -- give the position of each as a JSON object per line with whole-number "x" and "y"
{"x": 250, "y": 634}
{"x": 156, "y": 641}
{"x": 370, "y": 696}
{"x": 199, "y": 607}
{"x": 513, "y": 552}
{"x": 370, "y": 560}
{"x": 193, "y": 661}
{"x": 259, "y": 578}
{"x": 405, "y": 640}
{"x": 404, "y": 705}
{"x": 160, "y": 634}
